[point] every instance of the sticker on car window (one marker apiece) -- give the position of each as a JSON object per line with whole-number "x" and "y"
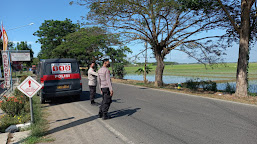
{"x": 58, "y": 68}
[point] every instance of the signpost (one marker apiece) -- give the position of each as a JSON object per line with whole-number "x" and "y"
{"x": 30, "y": 87}
{"x": 20, "y": 56}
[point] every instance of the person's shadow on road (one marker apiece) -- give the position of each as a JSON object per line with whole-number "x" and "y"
{"x": 123, "y": 112}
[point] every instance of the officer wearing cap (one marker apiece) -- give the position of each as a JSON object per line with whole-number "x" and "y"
{"x": 105, "y": 86}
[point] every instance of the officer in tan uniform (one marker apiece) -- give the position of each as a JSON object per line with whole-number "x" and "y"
{"x": 92, "y": 82}
{"x": 105, "y": 86}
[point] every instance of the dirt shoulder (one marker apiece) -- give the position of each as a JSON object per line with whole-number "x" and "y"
{"x": 209, "y": 94}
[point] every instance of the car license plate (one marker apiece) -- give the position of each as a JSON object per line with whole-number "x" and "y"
{"x": 63, "y": 87}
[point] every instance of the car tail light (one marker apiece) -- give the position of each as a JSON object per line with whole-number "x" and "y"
{"x": 80, "y": 80}
{"x": 42, "y": 82}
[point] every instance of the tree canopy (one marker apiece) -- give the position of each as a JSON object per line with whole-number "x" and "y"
{"x": 52, "y": 33}
{"x": 87, "y": 44}
{"x": 166, "y": 25}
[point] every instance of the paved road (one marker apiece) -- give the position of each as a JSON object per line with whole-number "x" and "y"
{"x": 142, "y": 115}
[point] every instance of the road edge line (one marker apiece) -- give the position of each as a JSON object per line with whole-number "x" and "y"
{"x": 163, "y": 90}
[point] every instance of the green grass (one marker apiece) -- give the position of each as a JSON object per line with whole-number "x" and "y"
{"x": 39, "y": 128}
{"x": 24, "y": 73}
{"x": 198, "y": 70}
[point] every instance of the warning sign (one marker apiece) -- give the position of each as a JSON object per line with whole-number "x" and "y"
{"x": 29, "y": 87}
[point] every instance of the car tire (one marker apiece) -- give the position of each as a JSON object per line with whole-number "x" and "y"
{"x": 77, "y": 97}
{"x": 42, "y": 98}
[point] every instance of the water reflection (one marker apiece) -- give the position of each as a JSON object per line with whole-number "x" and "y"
{"x": 181, "y": 79}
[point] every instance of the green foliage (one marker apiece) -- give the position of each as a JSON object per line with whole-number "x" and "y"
{"x": 14, "y": 105}
{"x": 195, "y": 84}
{"x": 52, "y": 33}
{"x": 35, "y": 61}
{"x": 117, "y": 56}
{"x": 230, "y": 89}
{"x": 208, "y": 85}
{"x": 85, "y": 45}
{"x": 119, "y": 70}
{"x": 192, "y": 84}
{"x": 39, "y": 128}
{"x": 142, "y": 70}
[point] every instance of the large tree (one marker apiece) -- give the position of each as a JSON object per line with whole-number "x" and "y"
{"x": 86, "y": 44}
{"x": 52, "y": 33}
{"x": 240, "y": 24}
{"x": 166, "y": 25}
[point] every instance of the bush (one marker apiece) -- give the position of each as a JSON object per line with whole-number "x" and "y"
{"x": 119, "y": 71}
{"x": 192, "y": 85}
{"x": 230, "y": 89}
{"x": 206, "y": 85}
{"x": 14, "y": 105}
{"x": 209, "y": 85}
{"x": 7, "y": 120}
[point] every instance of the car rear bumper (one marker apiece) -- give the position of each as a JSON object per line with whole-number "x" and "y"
{"x": 62, "y": 93}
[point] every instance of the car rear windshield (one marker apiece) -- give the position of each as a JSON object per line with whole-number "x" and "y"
{"x": 61, "y": 68}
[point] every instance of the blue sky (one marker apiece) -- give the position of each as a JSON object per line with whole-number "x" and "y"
{"x": 15, "y": 13}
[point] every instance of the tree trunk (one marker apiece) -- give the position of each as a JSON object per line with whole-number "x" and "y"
{"x": 242, "y": 64}
{"x": 159, "y": 70}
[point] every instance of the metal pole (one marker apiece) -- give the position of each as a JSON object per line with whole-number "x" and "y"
{"x": 9, "y": 56}
{"x": 145, "y": 81}
{"x": 31, "y": 110}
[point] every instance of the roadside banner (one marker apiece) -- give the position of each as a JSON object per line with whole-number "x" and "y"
{"x": 20, "y": 56}
{"x": 0, "y": 33}
{"x": 5, "y": 39}
{"x": 6, "y": 67}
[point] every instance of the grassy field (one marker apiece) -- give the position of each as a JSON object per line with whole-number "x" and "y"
{"x": 198, "y": 70}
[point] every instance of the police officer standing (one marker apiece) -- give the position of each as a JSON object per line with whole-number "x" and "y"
{"x": 92, "y": 82}
{"x": 106, "y": 89}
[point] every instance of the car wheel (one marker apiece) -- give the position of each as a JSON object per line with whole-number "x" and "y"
{"x": 42, "y": 99}
{"x": 77, "y": 97}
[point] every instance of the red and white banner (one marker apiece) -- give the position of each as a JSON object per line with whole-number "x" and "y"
{"x": 0, "y": 33}
{"x": 5, "y": 39}
{"x": 59, "y": 68}
{"x": 6, "y": 67}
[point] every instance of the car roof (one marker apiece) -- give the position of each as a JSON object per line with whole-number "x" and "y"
{"x": 58, "y": 60}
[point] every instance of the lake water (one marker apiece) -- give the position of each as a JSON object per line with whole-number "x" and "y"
{"x": 182, "y": 79}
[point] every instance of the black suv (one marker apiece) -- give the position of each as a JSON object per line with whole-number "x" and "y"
{"x": 59, "y": 78}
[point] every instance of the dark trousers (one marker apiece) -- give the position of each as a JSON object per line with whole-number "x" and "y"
{"x": 92, "y": 92}
{"x": 106, "y": 102}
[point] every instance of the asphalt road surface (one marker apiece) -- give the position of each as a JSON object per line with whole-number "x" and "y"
{"x": 142, "y": 115}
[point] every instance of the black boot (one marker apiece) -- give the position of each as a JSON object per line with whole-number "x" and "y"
{"x": 106, "y": 116}
{"x": 100, "y": 115}
{"x": 93, "y": 103}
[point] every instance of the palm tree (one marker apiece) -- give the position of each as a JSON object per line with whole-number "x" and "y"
{"x": 142, "y": 70}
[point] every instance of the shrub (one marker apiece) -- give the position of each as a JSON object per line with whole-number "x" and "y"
{"x": 230, "y": 89}
{"x": 192, "y": 85}
{"x": 13, "y": 105}
{"x": 7, "y": 120}
{"x": 119, "y": 71}
{"x": 209, "y": 85}
{"x": 206, "y": 85}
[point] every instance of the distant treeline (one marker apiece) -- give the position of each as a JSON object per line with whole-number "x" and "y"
{"x": 154, "y": 63}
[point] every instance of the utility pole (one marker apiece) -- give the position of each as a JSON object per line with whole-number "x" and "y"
{"x": 145, "y": 80}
